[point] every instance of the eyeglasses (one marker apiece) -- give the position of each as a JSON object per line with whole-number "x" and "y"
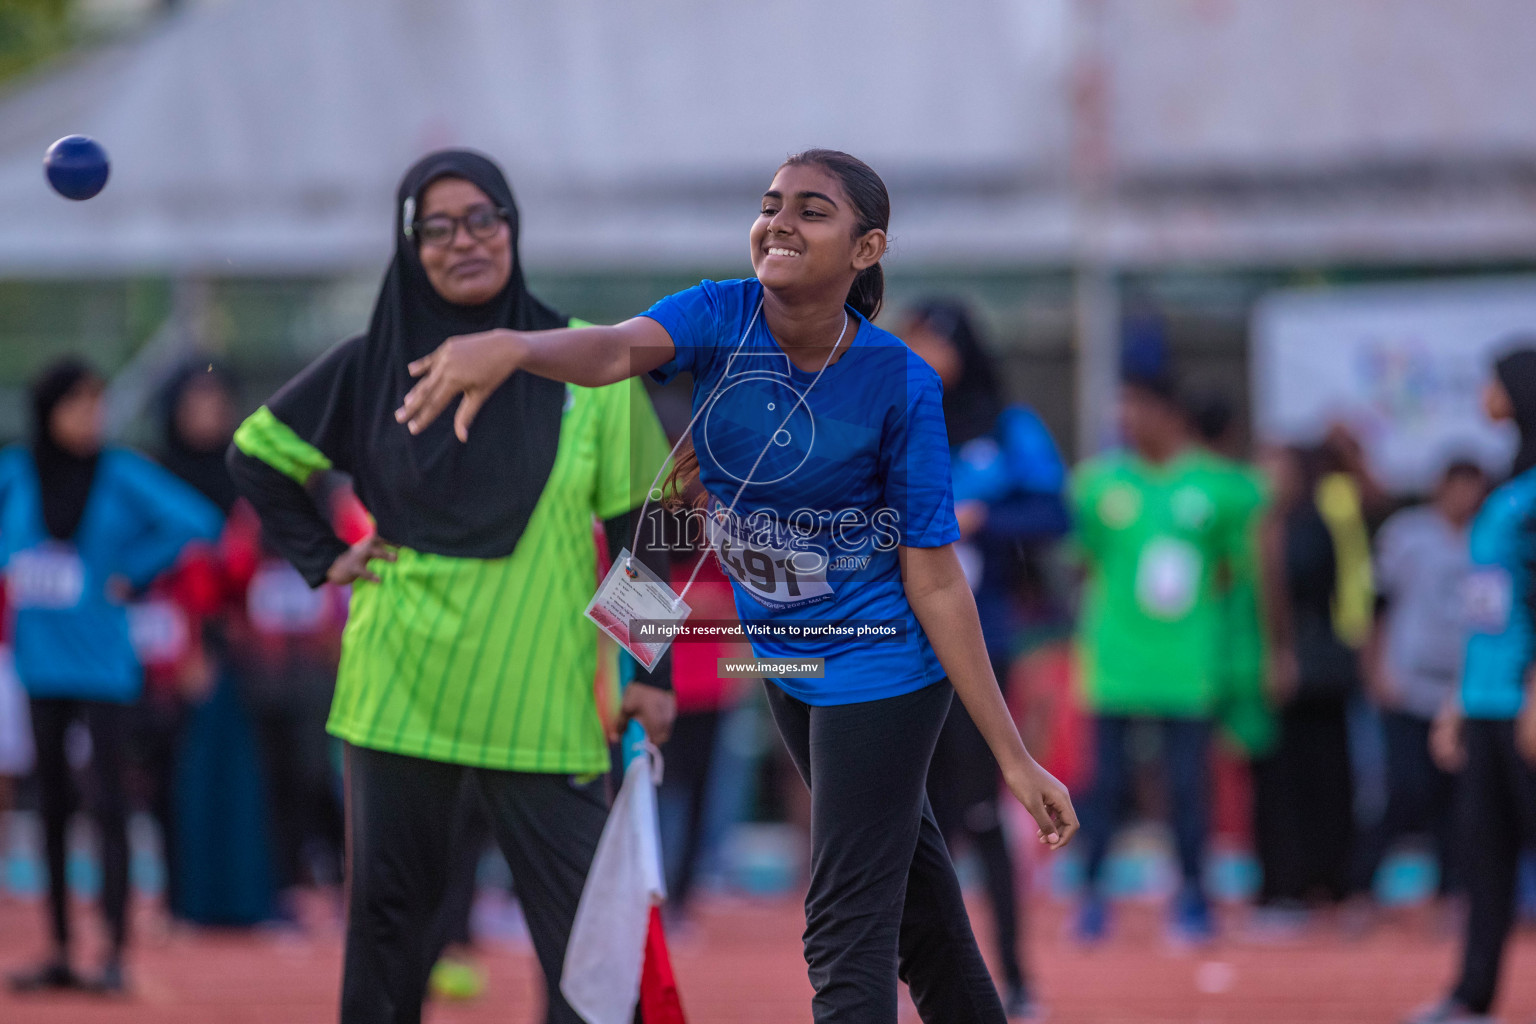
{"x": 439, "y": 230}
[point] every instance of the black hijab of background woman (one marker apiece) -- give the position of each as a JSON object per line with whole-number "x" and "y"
{"x": 974, "y": 403}
{"x": 1517, "y": 373}
{"x": 428, "y": 491}
{"x": 202, "y": 466}
{"x": 64, "y": 478}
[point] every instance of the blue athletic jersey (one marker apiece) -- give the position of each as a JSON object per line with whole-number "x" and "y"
{"x": 71, "y": 636}
{"x": 860, "y": 467}
{"x": 1497, "y": 601}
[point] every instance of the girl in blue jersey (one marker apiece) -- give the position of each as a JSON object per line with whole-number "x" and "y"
{"x": 81, "y": 527}
{"x": 820, "y": 442}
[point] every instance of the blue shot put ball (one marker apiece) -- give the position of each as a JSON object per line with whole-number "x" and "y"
{"x": 76, "y": 166}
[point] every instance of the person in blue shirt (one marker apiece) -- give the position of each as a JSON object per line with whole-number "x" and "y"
{"x": 83, "y": 526}
{"x": 819, "y": 440}
{"x": 1489, "y": 735}
{"x": 1008, "y": 477}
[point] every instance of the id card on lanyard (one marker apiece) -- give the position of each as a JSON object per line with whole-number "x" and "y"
{"x": 632, "y": 593}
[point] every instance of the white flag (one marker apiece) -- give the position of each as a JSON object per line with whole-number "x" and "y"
{"x": 606, "y": 953}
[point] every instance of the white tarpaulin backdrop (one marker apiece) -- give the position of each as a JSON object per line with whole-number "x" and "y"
{"x": 1404, "y": 365}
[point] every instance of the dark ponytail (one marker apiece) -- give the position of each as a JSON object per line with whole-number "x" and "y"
{"x": 871, "y": 210}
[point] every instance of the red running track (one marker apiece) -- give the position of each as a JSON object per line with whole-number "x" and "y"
{"x": 740, "y": 964}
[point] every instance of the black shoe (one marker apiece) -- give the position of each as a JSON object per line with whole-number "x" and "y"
{"x": 55, "y": 975}
{"x": 1448, "y": 1011}
{"x": 1020, "y": 1005}
{"x": 110, "y": 982}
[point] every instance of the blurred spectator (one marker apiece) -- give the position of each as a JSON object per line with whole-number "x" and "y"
{"x": 1304, "y": 789}
{"x": 83, "y": 528}
{"x": 1243, "y": 707}
{"x": 1414, "y": 661}
{"x": 1489, "y": 735}
{"x": 15, "y": 723}
{"x": 259, "y": 675}
{"x": 1160, "y": 532}
{"x": 1008, "y": 481}
{"x": 179, "y": 637}
{"x": 1343, "y": 454}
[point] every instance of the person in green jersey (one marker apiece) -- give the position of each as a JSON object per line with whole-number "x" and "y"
{"x": 1159, "y": 532}
{"x": 1242, "y": 708}
{"x": 466, "y": 658}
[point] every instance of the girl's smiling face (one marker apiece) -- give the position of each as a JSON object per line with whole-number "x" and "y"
{"x": 805, "y": 238}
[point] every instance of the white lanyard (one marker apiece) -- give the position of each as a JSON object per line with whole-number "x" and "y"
{"x": 688, "y": 431}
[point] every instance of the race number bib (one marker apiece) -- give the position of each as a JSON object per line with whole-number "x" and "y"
{"x": 775, "y": 573}
{"x": 48, "y": 576}
{"x": 159, "y": 632}
{"x": 1168, "y": 578}
{"x": 1487, "y": 597}
{"x": 280, "y": 602}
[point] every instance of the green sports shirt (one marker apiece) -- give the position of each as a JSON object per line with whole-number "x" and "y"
{"x": 490, "y": 661}
{"x": 1162, "y": 545}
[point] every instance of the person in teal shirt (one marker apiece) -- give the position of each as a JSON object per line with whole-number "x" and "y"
{"x": 1489, "y": 735}
{"x": 83, "y": 526}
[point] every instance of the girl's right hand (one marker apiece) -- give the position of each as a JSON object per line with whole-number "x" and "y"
{"x": 472, "y": 365}
{"x": 352, "y": 564}
{"x": 1047, "y": 800}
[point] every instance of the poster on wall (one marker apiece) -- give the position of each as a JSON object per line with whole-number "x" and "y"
{"x": 1403, "y": 365}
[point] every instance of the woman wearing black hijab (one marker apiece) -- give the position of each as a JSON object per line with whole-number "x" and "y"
{"x": 197, "y": 410}
{"x": 1488, "y": 735}
{"x": 81, "y": 527}
{"x": 466, "y": 652}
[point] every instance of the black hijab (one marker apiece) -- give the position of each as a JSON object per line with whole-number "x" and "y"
{"x": 64, "y": 479}
{"x": 1517, "y": 372}
{"x": 972, "y": 406}
{"x": 430, "y": 491}
{"x": 201, "y": 467}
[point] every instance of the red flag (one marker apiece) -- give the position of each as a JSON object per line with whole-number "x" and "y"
{"x": 659, "y": 1001}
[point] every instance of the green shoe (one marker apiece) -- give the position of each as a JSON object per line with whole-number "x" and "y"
{"x": 457, "y": 980}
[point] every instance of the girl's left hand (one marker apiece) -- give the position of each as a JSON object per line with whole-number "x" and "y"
{"x": 1047, "y": 801}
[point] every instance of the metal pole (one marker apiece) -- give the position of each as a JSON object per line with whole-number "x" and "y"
{"x": 1096, "y": 293}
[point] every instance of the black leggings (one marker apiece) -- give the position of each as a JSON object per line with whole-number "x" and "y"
{"x": 107, "y": 725}
{"x": 1498, "y": 818}
{"x": 1303, "y": 807}
{"x": 884, "y": 903}
{"x": 401, "y": 814}
{"x": 1419, "y": 798}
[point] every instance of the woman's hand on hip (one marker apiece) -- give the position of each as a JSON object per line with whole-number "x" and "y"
{"x": 1047, "y": 800}
{"x": 472, "y": 365}
{"x": 352, "y": 564}
{"x": 654, "y": 708}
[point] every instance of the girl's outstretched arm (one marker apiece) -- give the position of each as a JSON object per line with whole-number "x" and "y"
{"x": 474, "y": 365}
